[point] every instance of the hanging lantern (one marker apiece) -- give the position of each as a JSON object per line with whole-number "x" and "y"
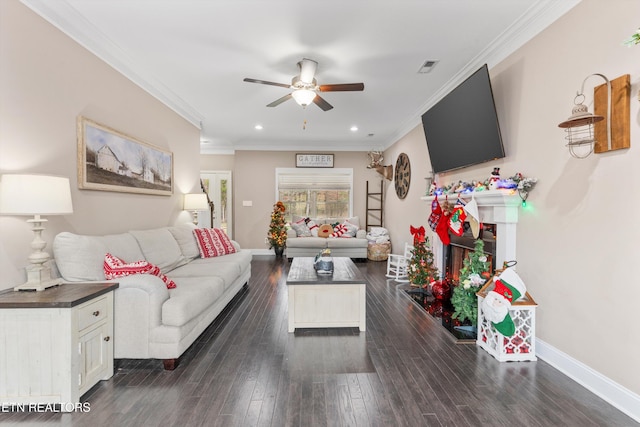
{"x": 580, "y": 128}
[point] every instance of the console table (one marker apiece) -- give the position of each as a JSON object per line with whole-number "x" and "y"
{"x": 55, "y": 344}
{"x": 326, "y": 300}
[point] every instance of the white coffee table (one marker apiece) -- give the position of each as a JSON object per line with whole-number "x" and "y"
{"x": 326, "y": 300}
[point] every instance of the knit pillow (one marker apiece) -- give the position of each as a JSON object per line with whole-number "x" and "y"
{"x": 213, "y": 242}
{"x": 301, "y": 228}
{"x": 114, "y": 267}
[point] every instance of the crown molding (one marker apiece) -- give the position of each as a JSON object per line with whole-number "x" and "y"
{"x": 64, "y": 17}
{"x": 538, "y": 17}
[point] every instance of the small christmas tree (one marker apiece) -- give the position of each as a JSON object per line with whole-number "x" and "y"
{"x": 473, "y": 274}
{"x": 421, "y": 270}
{"x": 277, "y": 235}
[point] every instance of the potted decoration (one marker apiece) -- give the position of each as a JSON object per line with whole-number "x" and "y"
{"x": 277, "y": 234}
{"x": 421, "y": 270}
{"x": 473, "y": 274}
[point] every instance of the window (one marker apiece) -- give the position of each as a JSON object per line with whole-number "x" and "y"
{"x": 315, "y": 193}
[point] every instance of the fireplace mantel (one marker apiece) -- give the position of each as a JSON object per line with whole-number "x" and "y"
{"x": 498, "y": 207}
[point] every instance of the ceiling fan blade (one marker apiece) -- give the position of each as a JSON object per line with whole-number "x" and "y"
{"x": 320, "y": 102}
{"x": 279, "y": 101}
{"x": 344, "y": 87}
{"x": 307, "y": 70}
{"x": 264, "y": 82}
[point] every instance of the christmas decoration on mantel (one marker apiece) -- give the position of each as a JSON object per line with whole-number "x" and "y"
{"x": 421, "y": 270}
{"x": 473, "y": 274}
{"x": 517, "y": 182}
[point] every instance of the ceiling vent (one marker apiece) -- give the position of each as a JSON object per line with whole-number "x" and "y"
{"x": 427, "y": 66}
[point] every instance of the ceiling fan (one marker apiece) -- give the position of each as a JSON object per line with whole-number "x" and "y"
{"x": 305, "y": 87}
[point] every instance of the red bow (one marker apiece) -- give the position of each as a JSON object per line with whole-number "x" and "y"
{"x": 418, "y": 234}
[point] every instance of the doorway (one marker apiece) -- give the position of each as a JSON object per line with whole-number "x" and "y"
{"x": 217, "y": 185}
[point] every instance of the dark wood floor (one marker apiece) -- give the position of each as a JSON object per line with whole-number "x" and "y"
{"x": 405, "y": 370}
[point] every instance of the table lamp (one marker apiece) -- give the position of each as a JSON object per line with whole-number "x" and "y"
{"x": 194, "y": 203}
{"x": 36, "y": 195}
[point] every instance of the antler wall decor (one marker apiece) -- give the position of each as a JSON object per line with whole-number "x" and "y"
{"x": 376, "y": 158}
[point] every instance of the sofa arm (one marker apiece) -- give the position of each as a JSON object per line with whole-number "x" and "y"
{"x": 137, "y": 310}
{"x": 361, "y": 234}
{"x": 291, "y": 233}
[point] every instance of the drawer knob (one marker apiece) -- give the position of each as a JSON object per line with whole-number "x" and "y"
{"x": 107, "y": 339}
{"x": 96, "y": 313}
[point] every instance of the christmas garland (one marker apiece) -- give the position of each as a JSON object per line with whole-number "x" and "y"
{"x": 634, "y": 39}
{"x": 516, "y": 182}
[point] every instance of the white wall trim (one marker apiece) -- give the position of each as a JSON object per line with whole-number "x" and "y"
{"x": 66, "y": 18}
{"x": 622, "y": 398}
{"x": 531, "y": 23}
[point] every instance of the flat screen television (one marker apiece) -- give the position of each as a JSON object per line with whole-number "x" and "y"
{"x": 462, "y": 128}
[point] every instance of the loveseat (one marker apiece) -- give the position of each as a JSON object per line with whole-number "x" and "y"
{"x": 345, "y": 239}
{"x": 156, "y": 318}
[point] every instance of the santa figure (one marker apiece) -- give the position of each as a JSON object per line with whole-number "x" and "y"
{"x": 508, "y": 287}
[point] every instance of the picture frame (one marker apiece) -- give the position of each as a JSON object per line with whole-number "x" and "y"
{"x": 314, "y": 160}
{"x": 109, "y": 160}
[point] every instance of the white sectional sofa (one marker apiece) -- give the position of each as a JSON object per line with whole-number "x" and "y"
{"x": 303, "y": 244}
{"x": 152, "y": 321}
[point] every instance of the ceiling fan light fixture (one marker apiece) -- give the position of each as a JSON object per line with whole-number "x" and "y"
{"x": 303, "y": 97}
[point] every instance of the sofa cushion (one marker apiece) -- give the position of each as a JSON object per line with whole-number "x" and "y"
{"x": 80, "y": 258}
{"x": 307, "y": 242}
{"x": 160, "y": 248}
{"x": 339, "y": 230}
{"x": 325, "y": 230}
{"x": 192, "y": 296}
{"x": 213, "y": 242}
{"x": 301, "y": 228}
{"x": 347, "y": 243}
{"x": 114, "y": 267}
{"x": 186, "y": 240}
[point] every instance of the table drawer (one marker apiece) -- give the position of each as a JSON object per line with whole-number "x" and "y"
{"x": 92, "y": 313}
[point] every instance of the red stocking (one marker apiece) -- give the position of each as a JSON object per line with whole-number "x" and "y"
{"x": 442, "y": 229}
{"x": 436, "y": 214}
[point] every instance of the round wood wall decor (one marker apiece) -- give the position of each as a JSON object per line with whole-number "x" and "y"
{"x": 402, "y": 175}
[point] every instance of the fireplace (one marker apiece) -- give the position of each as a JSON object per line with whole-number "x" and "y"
{"x": 461, "y": 246}
{"x": 496, "y": 207}
{"x": 498, "y": 210}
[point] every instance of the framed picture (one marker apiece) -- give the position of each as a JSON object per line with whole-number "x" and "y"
{"x": 314, "y": 160}
{"x": 112, "y": 161}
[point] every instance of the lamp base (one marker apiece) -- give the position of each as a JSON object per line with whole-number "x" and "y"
{"x": 38, "y": 279}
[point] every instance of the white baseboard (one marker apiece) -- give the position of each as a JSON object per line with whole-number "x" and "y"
{"x": 622, "y": 398}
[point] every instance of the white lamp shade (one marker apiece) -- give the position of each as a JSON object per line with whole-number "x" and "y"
{"x": 303, "y": 97}
{"x": 35, "y": 195}
{"x": 195, "y": 202}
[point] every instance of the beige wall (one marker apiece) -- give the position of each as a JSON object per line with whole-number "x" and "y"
{"x": 218, "y": 162}
{"x": 46, "y": 81}
{"x": 577, "y": 238}
{"x": 254, "y": 180}
{"x": 576, "y": 241}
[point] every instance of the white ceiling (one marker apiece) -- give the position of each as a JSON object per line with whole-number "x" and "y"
{"x": 194, "y": 54}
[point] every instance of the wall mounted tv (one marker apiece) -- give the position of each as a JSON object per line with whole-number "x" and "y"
{"x": 462, "y": 128}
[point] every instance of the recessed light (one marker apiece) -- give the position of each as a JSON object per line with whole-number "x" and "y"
{"x": 258, "y": 127}
{"x": 354, "y": 128}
